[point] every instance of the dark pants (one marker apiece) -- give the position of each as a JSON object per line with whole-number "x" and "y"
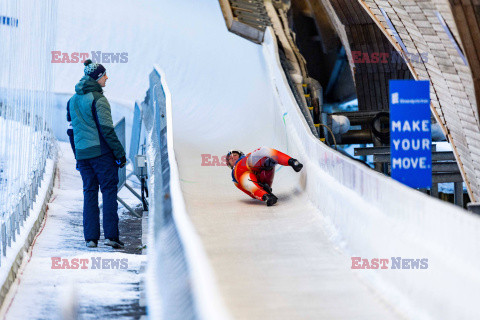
{"x": 267, "y": 171}
{"x": 266, "y": 176}
{"x": 101, "y": 171}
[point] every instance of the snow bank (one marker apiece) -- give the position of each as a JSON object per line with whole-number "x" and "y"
{"x": 15, "y": 253}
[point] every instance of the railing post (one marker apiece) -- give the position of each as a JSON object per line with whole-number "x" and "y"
{"x": 4, "y": 239}
{"x": 12, "y": 227}
{"x": 17, "y": 217}
{"x": 30, "y": 194}
{"x": 25, "y": 204}
{"x": 8, "y": 231}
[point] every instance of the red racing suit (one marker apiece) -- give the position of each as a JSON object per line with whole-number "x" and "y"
{"x": 257, "y": 167}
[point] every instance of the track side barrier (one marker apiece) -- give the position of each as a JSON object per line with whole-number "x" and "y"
{"x": 181, "y": 283}
{"x": 372, "y": 216}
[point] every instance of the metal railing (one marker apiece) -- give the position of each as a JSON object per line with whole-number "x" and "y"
{"x": 171, "y": 275}
{"x": 136, "y": 132}
{"x": 26, "y": 140}
{"x": 139, "y": 160}
{"x": 122, "y": 172}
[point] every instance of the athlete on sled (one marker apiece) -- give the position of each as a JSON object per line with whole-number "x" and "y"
{"x": 253, "y": 173}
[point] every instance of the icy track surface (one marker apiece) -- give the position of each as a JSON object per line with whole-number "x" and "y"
{"x": 276, "y": 262}
{"x": 40, "y": 292}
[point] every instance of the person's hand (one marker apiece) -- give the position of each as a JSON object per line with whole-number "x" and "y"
{"x": 121, "y": 162}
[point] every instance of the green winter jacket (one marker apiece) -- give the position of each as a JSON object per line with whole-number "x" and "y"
{"x": 91, "y": 120}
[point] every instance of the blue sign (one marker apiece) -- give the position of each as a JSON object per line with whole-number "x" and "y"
{"x": 410, "y": 133}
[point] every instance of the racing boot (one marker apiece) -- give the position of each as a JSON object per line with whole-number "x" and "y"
{"x": 270, "y": 199}
{"x": 297, "y": 166}
{"x": 265, "y": 187}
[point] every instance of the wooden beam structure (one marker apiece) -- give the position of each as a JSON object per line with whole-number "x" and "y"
{"x": 454, "y": 100}
{"x": 246, "y": 18}
{"x": 370, "y": 53}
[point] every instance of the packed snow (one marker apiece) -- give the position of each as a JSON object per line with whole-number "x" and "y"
{"x": 109, "y": 289}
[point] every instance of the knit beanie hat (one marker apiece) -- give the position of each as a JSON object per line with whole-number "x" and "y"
{"x": 94, "y": 70}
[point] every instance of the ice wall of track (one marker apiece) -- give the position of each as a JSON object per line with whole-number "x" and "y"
{"x": 373, "y": 216}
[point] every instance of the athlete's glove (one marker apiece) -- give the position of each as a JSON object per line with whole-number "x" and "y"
{"x": 121, "y": 162}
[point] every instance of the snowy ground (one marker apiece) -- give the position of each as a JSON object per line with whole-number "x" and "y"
{"x": 108, "y": 292}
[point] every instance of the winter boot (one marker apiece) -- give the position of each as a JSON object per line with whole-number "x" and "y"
{"x": 114, "y": 243}
{"x": 297, "y": 166}
{"x": 92, "y": 243}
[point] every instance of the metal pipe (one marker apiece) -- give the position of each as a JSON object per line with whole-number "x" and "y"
{"x": 356, "y": 137}
{"x": 133, "y": 191}
{"x": 128, "y": 208}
